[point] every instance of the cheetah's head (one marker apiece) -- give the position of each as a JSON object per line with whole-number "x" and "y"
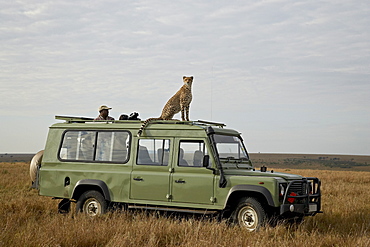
{"x": 187, "y": 80}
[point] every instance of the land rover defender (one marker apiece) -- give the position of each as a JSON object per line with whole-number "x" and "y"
{"x": 183, "y": 166}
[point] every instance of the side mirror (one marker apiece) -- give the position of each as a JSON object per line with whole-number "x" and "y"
{"x": 206, "y": 164}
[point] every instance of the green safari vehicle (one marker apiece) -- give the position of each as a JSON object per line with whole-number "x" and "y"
{"x": 182, "y": 166}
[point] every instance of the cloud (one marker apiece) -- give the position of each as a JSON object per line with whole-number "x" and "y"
{"x": 259, "y": 61}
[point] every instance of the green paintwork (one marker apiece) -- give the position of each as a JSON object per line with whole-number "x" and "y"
{"x": 171, "y": 185}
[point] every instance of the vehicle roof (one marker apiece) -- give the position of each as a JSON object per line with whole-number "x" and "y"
{"x": 89, "y": 123}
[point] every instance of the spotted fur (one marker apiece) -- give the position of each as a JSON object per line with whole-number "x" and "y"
{"x": 179, "y": 102}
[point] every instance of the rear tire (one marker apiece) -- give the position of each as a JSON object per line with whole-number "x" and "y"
{"x": 91, "y": 203}
{"x": 249, "y": 214}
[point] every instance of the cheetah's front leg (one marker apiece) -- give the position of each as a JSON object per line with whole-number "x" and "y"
{"x": 182, "y": 113}
{"x": 187, "y": 113}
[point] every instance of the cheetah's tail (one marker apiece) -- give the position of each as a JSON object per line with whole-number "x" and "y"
{"x": 146, "y": 122}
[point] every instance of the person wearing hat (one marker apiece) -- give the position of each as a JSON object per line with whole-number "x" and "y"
{"x": 104, "y": 113}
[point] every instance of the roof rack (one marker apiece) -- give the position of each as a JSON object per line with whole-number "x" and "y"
{"x": 70, "y": 119}
{"x": 202, "y": 122}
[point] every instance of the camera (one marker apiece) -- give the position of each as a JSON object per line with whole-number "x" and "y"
{"x": 133, "y": 116}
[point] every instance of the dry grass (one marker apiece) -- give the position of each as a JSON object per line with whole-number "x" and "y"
{"x": 27, "y": 219}
{"x": 312, "y": 161}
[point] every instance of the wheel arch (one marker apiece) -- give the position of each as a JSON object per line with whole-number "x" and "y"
{"x": 237, "y": 192}
{"x": 91, "y": 184}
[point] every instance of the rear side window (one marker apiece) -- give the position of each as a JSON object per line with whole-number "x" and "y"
{"x": 95, "y": 146}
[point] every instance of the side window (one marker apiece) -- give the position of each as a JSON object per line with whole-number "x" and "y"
{"x": 112, "y": 146}
{"x": 153, "y": 152}
{"x": 102, "y": 146}
{"x": 86, "y": 142}
{"x": 191, "y": 153}
{"x": 78, "y": 145}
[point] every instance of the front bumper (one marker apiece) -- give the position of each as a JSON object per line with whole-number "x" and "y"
{"x": 302, "y": 197}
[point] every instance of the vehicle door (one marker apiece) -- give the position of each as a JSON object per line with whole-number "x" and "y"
{"x": 191, "y": 182}
{"x": 150, "y": 174}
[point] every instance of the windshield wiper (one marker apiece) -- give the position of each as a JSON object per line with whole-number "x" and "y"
{"x": 234, "y": 160}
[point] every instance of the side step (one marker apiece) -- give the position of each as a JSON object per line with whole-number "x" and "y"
{"x": 180, "y": 210}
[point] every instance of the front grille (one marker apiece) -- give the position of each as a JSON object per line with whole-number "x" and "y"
{"x": 296, "y": 187}
{"x": 306, "y": 192}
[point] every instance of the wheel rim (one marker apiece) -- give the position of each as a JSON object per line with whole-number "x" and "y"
{"x": 248, "y": 218}
{"x": 92, "y": 207}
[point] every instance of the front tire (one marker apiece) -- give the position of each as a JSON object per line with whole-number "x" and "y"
{"x": 91, "y": 203}
{"x": 249, "y": 214}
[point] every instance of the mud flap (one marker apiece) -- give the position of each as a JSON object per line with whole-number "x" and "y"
{"x": 64, "y": 206}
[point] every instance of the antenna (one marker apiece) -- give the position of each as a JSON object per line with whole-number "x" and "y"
{"x": 212, "y": 93}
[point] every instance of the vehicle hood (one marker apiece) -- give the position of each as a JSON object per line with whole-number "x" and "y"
{"x": 256, "y": 173}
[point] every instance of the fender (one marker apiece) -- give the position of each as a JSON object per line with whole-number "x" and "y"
{"x": 252, "y": 188}
{"x": 92, "y": 182}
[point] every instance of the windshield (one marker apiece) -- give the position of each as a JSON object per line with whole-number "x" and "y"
{"x": 230, "y": 147}
{"x": 232, "y": 152}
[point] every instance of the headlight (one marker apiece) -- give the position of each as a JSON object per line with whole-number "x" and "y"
{"x": 309, "y": 188}
{"x": 282, "y": 188}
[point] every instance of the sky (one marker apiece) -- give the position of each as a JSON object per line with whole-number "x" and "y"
{"x": 291, "y": 76}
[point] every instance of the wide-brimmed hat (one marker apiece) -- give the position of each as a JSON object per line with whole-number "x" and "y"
{"x": 104, "y": 107}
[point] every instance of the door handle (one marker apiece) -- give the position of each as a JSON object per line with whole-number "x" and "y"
{"x": 180, "y": 181}
{"x": 138, "y": 179}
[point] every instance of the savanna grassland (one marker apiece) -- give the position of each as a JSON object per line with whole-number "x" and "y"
{"x": 27, "y": 219}
{"x": 312, "y": 161}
